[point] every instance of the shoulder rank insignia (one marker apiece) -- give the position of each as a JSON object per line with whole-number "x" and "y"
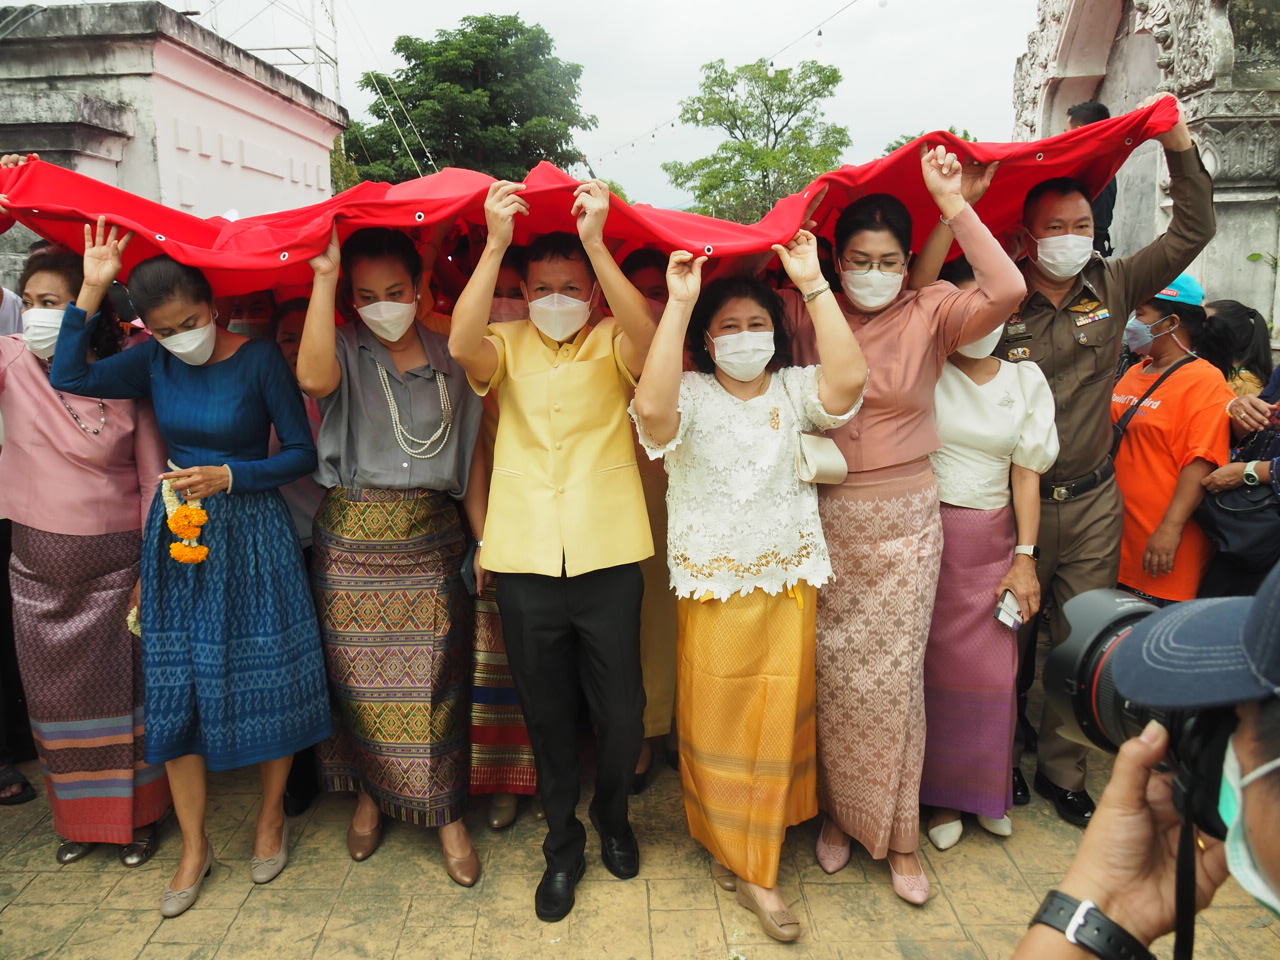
{"x": 1019, "y": 353}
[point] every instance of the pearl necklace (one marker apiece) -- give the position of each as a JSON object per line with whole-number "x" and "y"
{"x": 403, "y": 437}
{"x": 102, "y": 416}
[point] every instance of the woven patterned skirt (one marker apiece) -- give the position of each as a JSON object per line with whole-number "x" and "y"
{"x": 971, "y": 669}
{"x": 746, "y": 722}
{"x": 397, "y": 625}
{"x": 230, "y": 646}
{"x": 501, "y": 754}
{"x": 82, "y": 669}
{"x": 885, "y": 538}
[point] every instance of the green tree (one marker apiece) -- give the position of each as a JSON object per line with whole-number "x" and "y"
{"x": 343, "y": 172}
{"x": 906, "y": 138}
{"x": 778, "y": 141}
{"x": 489, "y": 96}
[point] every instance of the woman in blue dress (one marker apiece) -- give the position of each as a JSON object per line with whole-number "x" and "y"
{"x": 231, "y": 649}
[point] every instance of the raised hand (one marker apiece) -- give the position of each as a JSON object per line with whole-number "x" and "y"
{"x": 329, "y": 262}
{"x": 684, "y": 277}
{"x": 17, "y": 159}
{"x": 1178, "y": 138}
{"x": 943, "y": 174}
{"x": 591, "y": 208}
{"x": 500, "y": 209}
{"x": 800, "y": 260}
{"x": 103, "y": 254}
{"x": 975, "y": 178}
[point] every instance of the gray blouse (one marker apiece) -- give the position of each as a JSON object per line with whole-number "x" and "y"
{"x": 357, "y": 444}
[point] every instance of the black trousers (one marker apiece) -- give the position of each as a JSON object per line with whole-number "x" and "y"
{"x": 16, "y": 743}
{"x": 569, "y": 638}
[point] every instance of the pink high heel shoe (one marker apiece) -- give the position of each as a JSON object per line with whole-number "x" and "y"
{"x": 831, "y": 858}
{"x": 913, "y": 889}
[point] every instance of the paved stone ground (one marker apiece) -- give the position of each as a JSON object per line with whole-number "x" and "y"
{"x": 400, "y": 905}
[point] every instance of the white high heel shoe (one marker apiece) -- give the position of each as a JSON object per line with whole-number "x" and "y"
{"x": 1001, "y": 828}
{"x": 946, "y": 835}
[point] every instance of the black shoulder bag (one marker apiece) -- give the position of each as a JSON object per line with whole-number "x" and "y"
{"x": 1244, "y": 523}
{"x": 1122, "y": 424}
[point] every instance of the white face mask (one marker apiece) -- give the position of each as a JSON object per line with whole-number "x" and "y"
{"x": 1241, "y": 859}
{"x": 744, "y": 356}
{"x": 560, "y": 316}
{"x": 1064, "y": 256}
{"x": 871, "y": 290}
{"x": 192, "y": 346}
{"x": 40, "y": 328}
{"x": 389, "y": 319}
{"x": 982, "y": 348}
{"x": 508, "y": 308}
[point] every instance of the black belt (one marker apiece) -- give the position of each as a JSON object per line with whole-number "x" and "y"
{"x": 1074, "y": 488}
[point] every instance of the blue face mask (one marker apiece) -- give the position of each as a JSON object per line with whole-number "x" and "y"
{"x": 1138, "y": 335}
{"x": 1241, "y": 859}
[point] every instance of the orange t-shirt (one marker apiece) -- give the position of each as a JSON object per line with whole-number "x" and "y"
{"x": 1184, "y": 420}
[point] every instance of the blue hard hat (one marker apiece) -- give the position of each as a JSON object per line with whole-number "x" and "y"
{"x": 1185, "y": 289}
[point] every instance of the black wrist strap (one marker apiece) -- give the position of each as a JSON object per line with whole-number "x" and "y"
{"x": 1087, "y": 926}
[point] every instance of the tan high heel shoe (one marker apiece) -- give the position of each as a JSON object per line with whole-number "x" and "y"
{"x": 723, "y": 876}
{"x": 781, "y": 924}
{"x": 464, "y": 871}
{"x": 362, "y": 846}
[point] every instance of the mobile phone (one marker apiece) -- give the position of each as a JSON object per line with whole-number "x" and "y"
{"x": 1009, "y": 611}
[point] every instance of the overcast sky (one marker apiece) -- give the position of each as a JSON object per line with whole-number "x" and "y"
{"x": 908, "y": 64}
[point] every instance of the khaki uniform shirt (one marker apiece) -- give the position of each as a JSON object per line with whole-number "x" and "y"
{"x": 566, "y": 495}
{"x": 1077, "y": 345}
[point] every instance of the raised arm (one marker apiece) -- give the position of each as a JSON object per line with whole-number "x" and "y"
{"x": 975, "y": 178}
{"x": 658, "y": 392}
{"x": 467, "y": 342}
{"x": 125, "y": 376}
{"x": 591, "y": 208}
{"x": 1147, "y": 272}
{"x": 969, "y": 315}
{"x": 319, "y": 372}
{"x": 844, "y": 369}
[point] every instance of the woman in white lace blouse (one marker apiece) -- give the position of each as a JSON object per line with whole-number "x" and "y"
{"x": 996, "y": 423}
{"x": 746, "y": 553}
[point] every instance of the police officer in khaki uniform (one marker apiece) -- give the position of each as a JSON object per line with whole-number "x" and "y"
{"x": 1072, "y": 324}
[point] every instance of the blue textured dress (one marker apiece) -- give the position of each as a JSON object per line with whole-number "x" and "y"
{"x": 231, "y": 649}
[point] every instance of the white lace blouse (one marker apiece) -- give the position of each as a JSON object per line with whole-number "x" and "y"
{"x": 739, "y": 517}
{"x": 986, "y": 428}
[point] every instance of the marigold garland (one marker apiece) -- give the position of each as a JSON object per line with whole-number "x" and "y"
{"x": 185, "y": 521}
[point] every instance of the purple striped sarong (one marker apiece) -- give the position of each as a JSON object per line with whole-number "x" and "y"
{"x": 970, "y": 669}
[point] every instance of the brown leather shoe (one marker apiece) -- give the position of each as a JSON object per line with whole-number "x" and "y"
{"x": 780, "y": 924}
{"x": 502, "y": 810}
{"x": 362, "y": 845}
{"x": 726, "y": 878}
{"x": 464, "y": 871}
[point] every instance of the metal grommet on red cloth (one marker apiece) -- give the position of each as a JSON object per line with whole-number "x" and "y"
{"x": 1128, "y": 141}
{"x": 161, "y": 237}
{"x": 419, "y": 216}
{"x": 708, "y": 249}
{"x": 285, "y": 255}
{"x": 1039, "y": 156}
{"x": 35, "y": 211}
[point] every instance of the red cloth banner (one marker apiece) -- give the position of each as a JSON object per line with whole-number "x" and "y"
{"x": 271, "y": 250}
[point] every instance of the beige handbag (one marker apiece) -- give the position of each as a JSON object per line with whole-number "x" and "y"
{"x": 819, "y": 460}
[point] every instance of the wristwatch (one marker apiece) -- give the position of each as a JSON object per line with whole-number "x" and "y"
{"x": 1251, "y": 478}
{"x": 1033, "y": 552}
{"x": 1086, "y": 926}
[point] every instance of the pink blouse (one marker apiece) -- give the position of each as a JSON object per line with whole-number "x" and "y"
{"x": 907, "y": 344}
{"x": 56, "y": 477}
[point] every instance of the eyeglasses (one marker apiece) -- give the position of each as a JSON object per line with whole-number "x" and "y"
{"x": 859, "y": 266}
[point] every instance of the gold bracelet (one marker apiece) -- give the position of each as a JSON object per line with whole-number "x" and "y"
{"x": 814, "y": 294}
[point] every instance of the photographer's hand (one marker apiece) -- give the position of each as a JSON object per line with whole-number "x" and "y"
{"x": 1128, "y": 860}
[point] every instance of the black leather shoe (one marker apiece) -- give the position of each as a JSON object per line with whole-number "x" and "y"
{"x": 1021, "y": 792}
{"x": 554, "y": 897}
{"x": 1073, "y": 806}
{"x": 620, "y": 853}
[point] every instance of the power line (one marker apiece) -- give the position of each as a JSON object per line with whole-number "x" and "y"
{"x": 652, "y": 132}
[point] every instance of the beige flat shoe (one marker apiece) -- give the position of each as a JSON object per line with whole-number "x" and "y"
{"x": 781, "y": 924}
{"x": 173, "y": 902}
{"x": 726, "y": 878}
{"x": 266, "y": 869}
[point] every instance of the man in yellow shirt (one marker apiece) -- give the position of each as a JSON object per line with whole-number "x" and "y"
{"x": 566, "y": 525}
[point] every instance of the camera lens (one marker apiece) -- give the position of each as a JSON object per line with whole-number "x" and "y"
{"x": 1079, "y": 680}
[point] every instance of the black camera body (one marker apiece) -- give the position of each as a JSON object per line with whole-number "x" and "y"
{"x": 1079, "y": 684}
